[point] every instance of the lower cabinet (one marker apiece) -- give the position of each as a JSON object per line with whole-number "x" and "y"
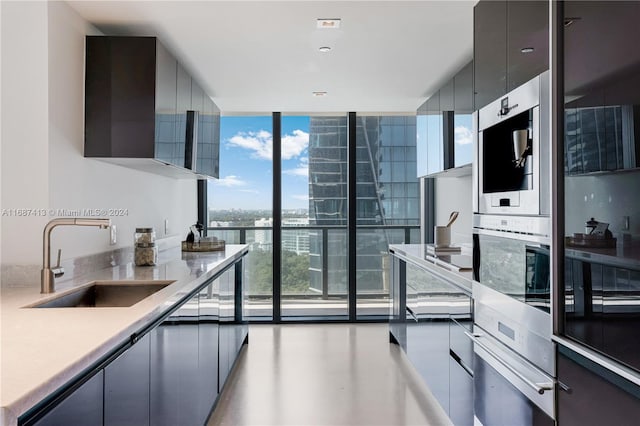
{"x": 83, "y": 407}
{"x": 171, "y": 374}
{"x": 431, "y": 327}
{"x": 589, "y": 394}
{"x": 126, "y": 387}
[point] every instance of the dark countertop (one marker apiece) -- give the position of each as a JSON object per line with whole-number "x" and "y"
{"x": 625, "y": 254}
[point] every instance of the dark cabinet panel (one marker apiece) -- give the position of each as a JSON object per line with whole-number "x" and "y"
{"x": 460, "y": 395}
{"x": 591, "y": 395}
{"x": 447, "y": 96}
{"x": 126, "y": 387}
{"x": 207, "y": 350}
{"x": 136, "y": 101}
{"x": 489, "y": 51}
{"x": 174, "y": 368}
{"x": 82, "y": 408}
{"x": 463, "y": 90}
{"x": 208, "y": 139}
{"x": 527, "y": 28}
{"x": 502, "y": 29}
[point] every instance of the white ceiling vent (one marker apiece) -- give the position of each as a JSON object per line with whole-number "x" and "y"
{"x": 329, "y": 23}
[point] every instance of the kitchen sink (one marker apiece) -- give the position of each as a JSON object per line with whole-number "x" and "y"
{"x": 105, "y": 294}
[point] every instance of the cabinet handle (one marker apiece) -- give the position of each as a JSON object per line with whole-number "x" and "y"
{"x": 538, "y": 387}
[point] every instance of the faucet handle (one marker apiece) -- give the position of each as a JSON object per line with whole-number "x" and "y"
{"x": 58, "y": 271}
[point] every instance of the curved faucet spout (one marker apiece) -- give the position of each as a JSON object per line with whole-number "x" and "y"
{"x": 47, "y": 275}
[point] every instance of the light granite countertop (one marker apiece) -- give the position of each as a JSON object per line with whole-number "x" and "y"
{"x": 42, "y": 349}
{"x": 443, "y": 265}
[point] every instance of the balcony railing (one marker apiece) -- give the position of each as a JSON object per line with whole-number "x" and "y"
{"x": 325, "y": 292}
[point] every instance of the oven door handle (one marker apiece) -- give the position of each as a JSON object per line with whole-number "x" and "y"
{"x": 538, "y": 387}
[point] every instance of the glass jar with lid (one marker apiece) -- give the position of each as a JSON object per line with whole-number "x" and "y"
{"x": 145, "y": 249}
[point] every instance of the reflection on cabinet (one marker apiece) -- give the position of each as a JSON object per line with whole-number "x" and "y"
{"x": 588, "y": 394}
{"x": 83, "y": 407}
{"x": 126, "y": 387}
{"x": 142, "y": 109}
{"x": 444, "y": 128}
{"x": 430, "y": 328}
{"x": 511, "y": 46}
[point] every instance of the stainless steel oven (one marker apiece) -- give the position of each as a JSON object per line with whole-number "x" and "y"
{"x": 512, "y": 163}
{"x": 511, "y": 288}
{"x": 508, "y": 390}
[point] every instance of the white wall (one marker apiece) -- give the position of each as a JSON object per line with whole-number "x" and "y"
{"x": 42, "y": 159}
{"x": 455, "y": 194}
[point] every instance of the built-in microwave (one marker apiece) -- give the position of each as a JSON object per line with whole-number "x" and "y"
{"x": 512, "y": 152}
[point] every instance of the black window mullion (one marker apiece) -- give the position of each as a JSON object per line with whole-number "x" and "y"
{"x": 277, "y": 216}
{"x": 351, "y": 214}
{"x": 203, "y": 206}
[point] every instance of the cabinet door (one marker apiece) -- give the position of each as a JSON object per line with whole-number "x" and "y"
{"x": 462, "y": 120}
{"x": 126, "y": 387}
{"x": 527, "y": 28}
{"x": 591, "y": 395}
{"x": 421, "y": 141}
{"x": 208, "y": 151}
{"x": 174, "y": 368}
{"x": 435, "y": 159}
{"x": 208, "y": 350}
{"x": 165, "y": 132}
{"x": 226, "y": 330}
{"x": 489, "y": 51}
{"x": 183, "y": 104}
{"x": 83, "y": 407}
{"x": 447, "y": 96}
{"x": 428, "y": 350}
{"x": 460, "y": 395}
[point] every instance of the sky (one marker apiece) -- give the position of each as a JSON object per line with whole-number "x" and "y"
{"x": 246, "y": 171}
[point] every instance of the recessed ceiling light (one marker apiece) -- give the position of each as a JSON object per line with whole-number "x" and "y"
{"x": 319, "y": 94}
{"x": 329, "y": 23}
{"x": 527, "y": 49}
{"x": 324, "y": 49}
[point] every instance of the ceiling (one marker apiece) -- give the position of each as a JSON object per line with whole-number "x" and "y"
{"x": 262, "y": 56}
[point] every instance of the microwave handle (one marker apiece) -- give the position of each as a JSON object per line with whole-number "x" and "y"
{"x": 538, "y": 387}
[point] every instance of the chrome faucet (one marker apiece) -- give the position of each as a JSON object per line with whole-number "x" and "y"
{"x": 49, "y": 275}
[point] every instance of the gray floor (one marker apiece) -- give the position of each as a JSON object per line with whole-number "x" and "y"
{"x": 325, "y": 374}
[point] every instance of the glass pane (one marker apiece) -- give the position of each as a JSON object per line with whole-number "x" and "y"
{"x": 462, "y": 139}
{"x": 386, "y": 211}
{"x": 240, "y": 202}
{"x": 314, "y": 201}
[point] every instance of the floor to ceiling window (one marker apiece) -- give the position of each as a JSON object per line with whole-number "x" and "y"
{"x": 240, "y": 202}
{"x": 306, "y": 165}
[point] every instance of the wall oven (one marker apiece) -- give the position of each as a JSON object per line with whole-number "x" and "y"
{"x": 511, "y": 288}
{"x": 512, "y": 160}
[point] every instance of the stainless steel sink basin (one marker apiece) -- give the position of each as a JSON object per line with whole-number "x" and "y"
{"x": 105, "y": 294}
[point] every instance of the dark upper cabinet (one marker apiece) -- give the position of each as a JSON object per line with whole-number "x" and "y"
{"x": 208, "y": 152}
{"x": 82, "y": 407}
{"x": 142, "y": 107}
{"x": 489, "y": 51}
{"x": 463, "y": 119}
{"x": 602, "y": 87}
{"x": 527, "y": 28}
{"x": 447, "y": 96}
{"x": 511, "y": 46}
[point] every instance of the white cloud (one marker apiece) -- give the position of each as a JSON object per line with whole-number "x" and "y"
{"x": 295, "y": 144}
{"x": 229, "y": 181}
{"x": 301, "y": 170}
{"x": 302, "y": 197}
{"x": 462, "y": 135}
{"x": 261, "y": 143}
{"x": 250, "y": 191}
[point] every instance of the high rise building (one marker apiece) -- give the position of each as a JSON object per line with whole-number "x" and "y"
{"x": 387, "y": 193}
